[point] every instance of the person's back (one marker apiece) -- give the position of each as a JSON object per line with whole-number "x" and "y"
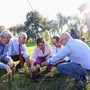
{"x": 80, "y": 51}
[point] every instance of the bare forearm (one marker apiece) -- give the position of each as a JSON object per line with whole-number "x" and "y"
{"x": 28, "y": 62}
{"x": 44, "y": 63}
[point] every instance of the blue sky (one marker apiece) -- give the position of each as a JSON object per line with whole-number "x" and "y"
{"x": 13, "y": 12}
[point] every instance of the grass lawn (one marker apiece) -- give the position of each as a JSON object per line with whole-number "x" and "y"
{"x": 22, "y": 82}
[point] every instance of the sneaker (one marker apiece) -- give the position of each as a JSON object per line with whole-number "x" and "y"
{"x": 21, "y": 70}
{"x": 87, "y": 79}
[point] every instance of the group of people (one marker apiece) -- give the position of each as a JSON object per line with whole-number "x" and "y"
{"x": 10, "y": 51}
{"x": 71, "y": 56}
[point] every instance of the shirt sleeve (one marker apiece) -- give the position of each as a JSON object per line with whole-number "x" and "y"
{"x": 64, "y": 51}
{"x": 24, "y": 50}
{"x": 66, "y": 58}
{"x": 7, "y": 49}
{"x": 7, "y": 58}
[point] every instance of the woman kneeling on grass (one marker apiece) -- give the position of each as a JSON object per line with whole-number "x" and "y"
{"x": 41, "y": 52}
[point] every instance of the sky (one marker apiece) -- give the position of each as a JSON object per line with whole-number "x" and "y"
{"x": 13, "y": 12}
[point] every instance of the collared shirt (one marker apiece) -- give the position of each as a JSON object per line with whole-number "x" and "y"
{"x": 14, "y": 48}
{"x": 38, "y": 53}
{"x": 76, "y": 50}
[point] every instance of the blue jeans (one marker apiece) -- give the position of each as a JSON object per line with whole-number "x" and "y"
{"x": 72, "y": 69}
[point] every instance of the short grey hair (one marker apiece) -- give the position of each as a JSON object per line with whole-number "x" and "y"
{"x": 22, "y": 33}
{"x": 6, "y": 34}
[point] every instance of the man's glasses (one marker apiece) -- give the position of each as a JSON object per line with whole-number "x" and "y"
{"x": 24, "y": 38}
{"x": 61, "y": 40}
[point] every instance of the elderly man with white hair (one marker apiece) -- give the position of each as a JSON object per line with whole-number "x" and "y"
{"x": 18, "y": 51}
{"x": 5, "y": 37}
{"x": 78, "y": 52}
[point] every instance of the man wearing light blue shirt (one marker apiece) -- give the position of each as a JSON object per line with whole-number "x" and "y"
{"x": 5, "y": 37}
{"x": 78, "y": 52}
{"x": 14, "y": 50}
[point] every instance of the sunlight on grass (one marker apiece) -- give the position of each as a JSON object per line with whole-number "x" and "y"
{"x": 22, "y": 82}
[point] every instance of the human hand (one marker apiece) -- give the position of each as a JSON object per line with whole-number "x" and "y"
{"x": 29, "y": 73}
{"x": 38, "y": 66}
{"x": 8, "y": 69}
{"x": 10, "y": 63}
{"x": 32, "y": 68}
{"x": 44, "y": 63}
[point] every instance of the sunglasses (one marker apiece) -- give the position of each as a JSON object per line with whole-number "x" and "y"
{"x": 24, "y": 38}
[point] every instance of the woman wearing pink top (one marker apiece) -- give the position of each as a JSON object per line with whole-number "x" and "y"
{"x": 41, "y": 52}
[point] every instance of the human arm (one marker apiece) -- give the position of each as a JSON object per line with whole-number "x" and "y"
{"x": 29, "y": 66}
{"x": 4, "y": 66}
{"x": 65, "y": 51}
{"x": 48, "y": 50}
{"x": 32, "y": 65}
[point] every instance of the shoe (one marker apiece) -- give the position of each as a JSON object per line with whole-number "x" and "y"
{"x": 79, "y": 84}
{"x": 21, "y": 71}
{"x": 87, "y": 79}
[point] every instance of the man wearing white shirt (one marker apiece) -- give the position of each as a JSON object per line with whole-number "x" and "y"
{"x": 14, "y": 50}
{"x": 78, "y": 52}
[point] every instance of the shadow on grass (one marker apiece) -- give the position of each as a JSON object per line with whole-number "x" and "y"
{"x": 57, "y": 82}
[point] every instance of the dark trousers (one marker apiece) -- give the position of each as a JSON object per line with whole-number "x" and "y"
{"x": 16, "y": 58}
{"x": 39, "y": 60}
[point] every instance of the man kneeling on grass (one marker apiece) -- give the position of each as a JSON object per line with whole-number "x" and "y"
{"x": 78, "y": 52}
{"x": 18, "y": 52}
{"x": 5, "y": 37}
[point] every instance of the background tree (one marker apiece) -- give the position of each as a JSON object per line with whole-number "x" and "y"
{"x": 13, "y": 30}
{"x": 33, "y": 23}
{"x": 20, "y": 28}
{"x": 61, "y": 21}
{"x": 17, "y": 29}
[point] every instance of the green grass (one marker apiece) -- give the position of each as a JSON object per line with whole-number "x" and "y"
{"x": 22, "y": 82}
